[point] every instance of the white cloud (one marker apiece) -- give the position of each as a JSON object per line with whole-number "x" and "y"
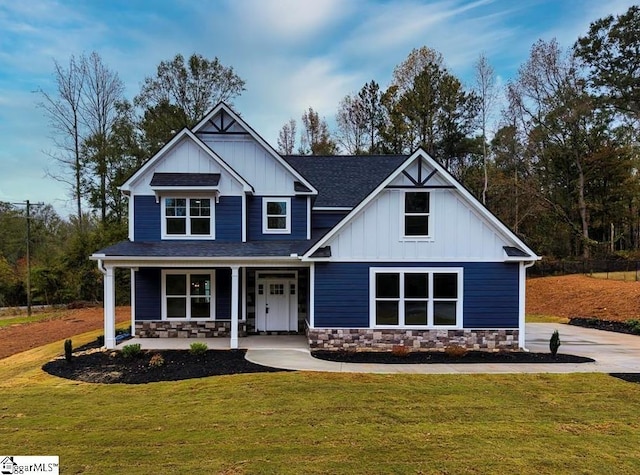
{"x": 287, "y": 19}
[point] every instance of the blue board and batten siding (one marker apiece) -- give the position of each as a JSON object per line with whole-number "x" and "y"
{"x": 490, "y": 298}
{"x": 298, "y": 220}
{"x": 146, "y": 218}
{"x": 227, "y": 217}
{"x": 148, "y": 298}
{"x": 326, "y": 220}
{"x": 148, "y": 288}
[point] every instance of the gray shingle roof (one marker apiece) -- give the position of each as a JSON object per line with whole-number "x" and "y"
{"x": 197, "y": 248}
{"x": 514, "y": 251}
{"x": 344, "y": 181}
{"x": 185, "y": 179}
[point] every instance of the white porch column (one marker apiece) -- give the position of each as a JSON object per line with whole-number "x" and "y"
{"x": 109, "y": 308}
{"x": 234, "y": 306}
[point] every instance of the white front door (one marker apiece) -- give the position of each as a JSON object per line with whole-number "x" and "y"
{"x": 276, "y": 305}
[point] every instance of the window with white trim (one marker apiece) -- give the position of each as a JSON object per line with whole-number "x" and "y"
{"x": 276, "y": 215}
{"x": 187, "y": 217}
{"x": 416, "y": 214}
{"x": 187, "y": 295}
{"x": 415, "y": 297}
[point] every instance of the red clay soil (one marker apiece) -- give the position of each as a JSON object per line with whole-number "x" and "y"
{"x": 18, "y": 338}
{"x": 583, "y": 296}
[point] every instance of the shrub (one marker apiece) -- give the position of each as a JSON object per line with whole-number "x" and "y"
{"x": 455, "y": 351}
{"x": 156, "y": 360}
{"x": 400, "y": 351}
{"x": 198, "y": 348}
{"x": 634, "y": 326}
{"x": 554, "y": 343}
{"x": 131, "y": 351}
{"x": 68, "y": 350}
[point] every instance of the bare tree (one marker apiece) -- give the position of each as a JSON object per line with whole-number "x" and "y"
{"x": 371, "y": 99}
{"x": 287, "y": 138}
{"x": 102, "y": 92}
{"x": 63, "y": 109}
{"x": 316, "y": 138}
{"x": 487, "y": 93}
{"x": 352, "y": 123}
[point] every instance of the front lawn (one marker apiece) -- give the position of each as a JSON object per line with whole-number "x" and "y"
{"x": 322, "y": 422}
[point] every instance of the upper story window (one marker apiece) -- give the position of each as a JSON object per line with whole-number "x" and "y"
{"x": 417, "y": 214}
{"x": 276, "y": 215}
{"x": 187, "y": 217}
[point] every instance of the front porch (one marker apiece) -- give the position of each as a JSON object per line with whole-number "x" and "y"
{"x": 252, "y": 342}
{"x": 175, "y": 304}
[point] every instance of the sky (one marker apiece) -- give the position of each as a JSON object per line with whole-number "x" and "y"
{"x": 293, "y": 54}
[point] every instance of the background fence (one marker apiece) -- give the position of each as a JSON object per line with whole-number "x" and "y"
{"x": 610, "y": 269}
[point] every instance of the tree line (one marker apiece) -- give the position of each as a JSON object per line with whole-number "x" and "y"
{"x": 552, "y": 153}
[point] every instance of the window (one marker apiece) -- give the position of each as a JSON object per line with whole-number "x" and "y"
{"x": 187, "y": 295}
{"x": 416, "y": 214}
{"x": 187, "y": 217}
{"x": 417, "y": 297}
{"x": 276, "y": 215}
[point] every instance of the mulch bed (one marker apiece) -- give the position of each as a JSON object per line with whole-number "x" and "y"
{"x": 599, "y": 324}
{"x": 628, "y": 377}
{"x": 440, "y": 357}
{"x": 97, "y": 366}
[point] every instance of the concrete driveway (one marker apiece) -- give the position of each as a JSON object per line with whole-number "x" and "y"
{"x": 613, "y": 352}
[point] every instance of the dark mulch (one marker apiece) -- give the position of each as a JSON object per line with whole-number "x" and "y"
{"x": 628, "y": 377}
{"x": 112, "y": 367}
{"x": 608, "y": 325}
{"x": 440, "y": 357}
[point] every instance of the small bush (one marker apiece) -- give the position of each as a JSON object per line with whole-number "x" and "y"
{"x": 198, "y": 348}
{"x": 554, "y": 343}
{"x": 634, "y": 326}
{"x": 131, "y": 351}
{"x": 100, "y": 340}
{"x": 400, "y": 351}
{"x": 156, "y": 361}
{"x": 68, "y": 350}
{"x": 455, "y": 351}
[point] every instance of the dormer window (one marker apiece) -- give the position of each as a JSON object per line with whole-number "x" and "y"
{"x": 187, "y": 217}
{"x": 416, "y": 214}
{"x": 276, "y": 215}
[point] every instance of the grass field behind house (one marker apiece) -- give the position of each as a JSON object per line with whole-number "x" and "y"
{"x": 533, "y": 318}
{"x": 629, "y": 276}
{"x": 321, "y": 423}
{"x": 17, "y": 316}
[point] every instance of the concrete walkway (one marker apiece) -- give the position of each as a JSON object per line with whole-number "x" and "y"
{"x": 613, "y": 352}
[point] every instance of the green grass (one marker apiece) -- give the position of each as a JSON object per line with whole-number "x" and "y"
{"x": 322, "y": 423}
{"x": 17, "y": 317}
{"x": 546, "y": 319}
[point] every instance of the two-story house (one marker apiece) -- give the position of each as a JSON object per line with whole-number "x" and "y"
{"x": 228, "y": 238}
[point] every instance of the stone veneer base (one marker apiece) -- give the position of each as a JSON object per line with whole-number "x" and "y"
{"x": 177, "y": 329}
{"x": 363, "y": 339}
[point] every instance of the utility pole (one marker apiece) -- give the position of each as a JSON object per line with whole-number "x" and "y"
{"x": 28, "y": 205}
